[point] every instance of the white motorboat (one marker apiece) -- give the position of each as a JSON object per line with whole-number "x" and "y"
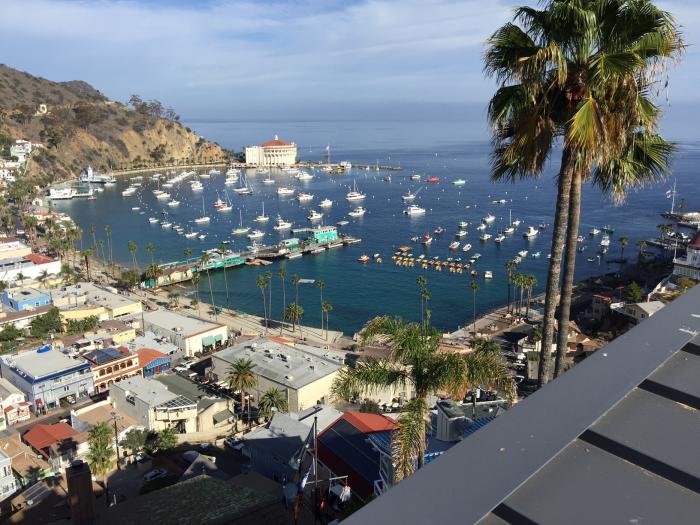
{"x": 594, "y": 232}
{"x": 326, "y": 203}
{"x": 256, "y": 234}
{"x": 459, "y": 182}
{"x": 466, "y": 247}
{"x": 509, "y": 230}
{"x": 172, "y": 203}
{"x": 489, "y": 218}
{"x": 481, "y": 227}
{"x": 152, "y": 220}
{"x": 414, "y": 210}
{"x": 304, "y": 176}
{"x": 354, "y": 195}
{"x": 488, "y": 274}
{"x": 357, "y": 212}
{"x": 531, "y": 232}
{"x": 499, "y": 238}
{"x": 214, "y": 172}
{"x": 485, "y": 237}
{"x": 191, "y": 235}
{"x": 231, "y": 180}
{"x": 315, "y": 216}
{"x": 461, "y": 233}
{"x": 462, "y": 225}
{"x": 516, "y": 222}
{"x": 281, "y": 224}
{"x": 166, "y": 225}
{"x": 135, "y": 208}
{"x": 304, "y": 197}
{"x": 522, "y": 253}
{"x": 605, "y": 241}
{"x": 285, "y": 191}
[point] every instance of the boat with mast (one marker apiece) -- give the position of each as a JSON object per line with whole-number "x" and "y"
{"x": 241, "y": 229}
{"x": 262, "y": 217}
{"x": 410, "y": 196}
{"x": 227, "y": 204}
{"x": 244, "y": 189}
{"x": 354, "y": 195}
{"x": 204, "y": 218}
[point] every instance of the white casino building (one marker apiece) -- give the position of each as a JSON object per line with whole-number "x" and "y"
{"x": 272, "y": 153}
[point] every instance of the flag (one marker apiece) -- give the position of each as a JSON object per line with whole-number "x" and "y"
{"x": 345, "y": 495}
{"x": 328, "y": 147}
{"x": 304, "y": 479}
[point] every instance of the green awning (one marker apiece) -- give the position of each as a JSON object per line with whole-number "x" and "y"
{"x": 208, "y": 340}
{"x": 218, "y": 338}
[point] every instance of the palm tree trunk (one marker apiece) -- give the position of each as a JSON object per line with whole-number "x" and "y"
{"x": 474, "y": 311}
{"x": 509, "y": 284}
{"x": 225, "y": 281}
{"x": 211, "y": 294}
{"x": 568, "y": 278}
{"x": 422, "y": 315}
{"x": 284, "y": 305}
{"x": 552, "y": 290}
{"x": 262, "y": 291}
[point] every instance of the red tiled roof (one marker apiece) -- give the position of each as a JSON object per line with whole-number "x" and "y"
{"x": 370, "y": 422}
{"x": 38, "y": 258}
{"x": 42, "y": 436}
{"x": 695, "y": 243}
{"x": 276, "y": 143}
{"x": 148, "y": 355}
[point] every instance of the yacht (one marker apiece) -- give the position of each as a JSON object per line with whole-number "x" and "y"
{"x": 268, "y": 180}
{"x": 485, "y": 237}
{"x": 166, "y": 225}
{"x": 516, "y": 222}
{"x": 218, "y": 203}
{"x": 256, "y": 234}
{"x": 408, "y": 197}
{"x": 157, "y": 192}
{"x": 357, "y": 212}
{"x": 499, "y": 238}
{"x": 489, "y": 218}
{"x": 605, "y": 241}
{"x": 536, "y": 255}
{"x": 315, "y": 216}
{"x": 232, "y": 172}
{"x": 342, "y": 223}
{"x": 462, "y": 225}
{"x": 488, "y": 274}
{"x": 509, "y": 230}
{"x": 481, "y": 227}
{"x": 459, "y": 182}
{"x": 285, "y": 191}
{"x": 204, "y": 175}
{"x": 281, "y": 224}
{"x": 191, "y": 235}
{"x": 454, "y": 246}
{"x": 354, "y": 195}
{"x": 59, "y": 194}
{"x": 415, "y": 177}
{"x": 439, "y": 230}
{"x": 414, "y": 210}
{"x": 173, "y": 202}
{"x": 202, "y": 236}
{"x": 594, "y": 232}
{"x": 531, "y": 232}
{"x": 466, "y": 247}
{"x": 326, "y": 203}
{"x": 304, "y": 175}
{"x": 262, "y": 217}
{"x": 304, "y": 197}
{"x": 243, "y": 189}
{"x": 522, "y": 253}
{"x": 262, "y": 171}
{"x": 461, "y": 233}
{"x": 152, "y": 220}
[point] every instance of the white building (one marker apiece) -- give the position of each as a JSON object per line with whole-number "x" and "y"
{"x": 272, "y": 153}
{"x": 28, "y": 268}
{"x": 21, "y": 149}
{"x": 638, "y": 312}
{"x": 8, "y": 485}
{"x": 690, "y": 265}
{"x": 13, "y": 404}
{"x": 189, "y": 334}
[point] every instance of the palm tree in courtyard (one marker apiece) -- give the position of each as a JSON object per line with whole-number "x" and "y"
{"x": 415, "y": 364}
{"x": 321, "y": 285}
{"x": 579, "y": 72}
{"x": 474, "y": 287}
{"x": 241, "y": 378}
{"x": 204, "y": 262}
{"x": 272, "y": 400}
{"x": 326, "y": 308}
{"x": 262, "y": 284}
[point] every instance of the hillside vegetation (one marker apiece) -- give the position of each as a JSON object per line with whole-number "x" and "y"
{"x": 78, "y": 125}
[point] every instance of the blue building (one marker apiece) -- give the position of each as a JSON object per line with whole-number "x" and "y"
{"x": 25, "y": 299}
{"x": 324, "y": 234}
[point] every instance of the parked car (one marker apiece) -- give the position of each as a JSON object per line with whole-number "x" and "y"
{"x": 180, "y": 368}
{"x": 234, "y": 444}
{"x": 155, "y": 474}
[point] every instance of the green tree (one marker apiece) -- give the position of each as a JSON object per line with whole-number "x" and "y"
{"x": 241, "y": 378}
{"x": 49, "y": 323}
{"x": 415, "y": 363}
{"x": 153, "y": 272}
{"x": 101, "y": 455}
{"x": 87, "y": 253}
{"x": 282, "y": 274}
{"x": 132, "y": 247}
{"x": 295, "y": 281}
{"x": 151, "y": 249}
{"x": 108, "y": 234}
{"x": 294, "y": 313}
{"x": 166, "y": 439}
{"x": 686, "y": 283}
{"x": 641, "y": 246}
{"x": 195, "y": 284}
{"x": 134, "y": 440}
{"x": 529, "y": 281}
{"x": 624, "y": 241}
{"x": 510, "y": 267}
{"x": 273, "y": 400}
{"x": 223, "y": 250}
{"x": 20, "y": 278}
{"x": 268, "y": 278}
{"x": 579, "y": 73}
{"x": 634, "y": 292}
{"x": 326, "y": 308}
{"x": 262, "y": 284}
{"x": 321, "y": 285}
{"x": 481, "y": 344}
{"x": 474, "y": 287}
{"x": 421, "y": 282}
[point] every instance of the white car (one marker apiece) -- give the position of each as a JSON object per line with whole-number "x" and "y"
{"x": 234, "y": 444}
{"x": 155, "y": 474}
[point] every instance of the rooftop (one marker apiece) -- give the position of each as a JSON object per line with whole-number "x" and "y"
{"x": 38, "y": 258}
{"x": 28, "y": 294}
{"x": 93, "y": 295}
{"x": 102, "y": 412}
{"x": 187, "y": 389}
{"x": 610, "y": 441}
{"x": 151, "y": 340}
{"x": 148, "y": 355}
{"x": 41, "y": 436}
{"x": 37, "y": 364}
{"x": 170, "y": 320}
{"x": 102, "y": 356}
{"x": 150, "y": 391}
{"x": 293, "y": 367}
{"x": 276, "y": 143}
{"x": 7, "y": 389}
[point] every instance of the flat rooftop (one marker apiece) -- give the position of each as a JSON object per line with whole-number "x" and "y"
{"x": 27, "y": 294}
{"x": 102, "y": 356}
{"x": 151, "y": 340}
{"x": 37, "y": 364}
{"x": 293, "y": 367}
{"x": 93, "y": 295}
{"x": 150, "y": 391}
{"x": 169, "y": 320}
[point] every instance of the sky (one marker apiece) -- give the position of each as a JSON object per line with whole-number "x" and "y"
{"x": 285, "y": 60}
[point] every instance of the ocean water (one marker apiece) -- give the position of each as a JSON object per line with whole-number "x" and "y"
{"x": 448, "y": 150}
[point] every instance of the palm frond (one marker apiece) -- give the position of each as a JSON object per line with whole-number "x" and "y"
{"x": 369, "y": 377}
{"x": 487, "y": 370}
{"x": 408, "y": 441}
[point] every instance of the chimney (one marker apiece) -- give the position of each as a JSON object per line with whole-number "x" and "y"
{"x": 80, "y": 496}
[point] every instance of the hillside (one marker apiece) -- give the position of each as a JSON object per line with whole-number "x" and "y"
{"x": 80, "y": 126}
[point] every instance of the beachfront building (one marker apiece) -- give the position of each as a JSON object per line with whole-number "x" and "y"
{"x": 151, "y": 405}
{"x": 324, "y": 234}
{"x": 25, "y": 299}
{"x": 82, "y": 300}
{"x": 274, "y": 152}
{"x": 27, "y": 268}
{"x": 12, "y": 247}
{"x": 110, "y": 365}
{"x": 47, "y": 376}
{"x": 190, "y": 334}
{"x": 689, "y": 266}
{"x": 300, "y": 372}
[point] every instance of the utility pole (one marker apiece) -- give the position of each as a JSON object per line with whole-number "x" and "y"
{"x": 116, "y": 437}
{"x": 316, "y": 509}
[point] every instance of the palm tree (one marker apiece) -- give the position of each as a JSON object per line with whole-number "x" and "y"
{"x": 222, "y": 250}
{"x": 282, "y": 274}
{"x": 294, "y": 314}
{"x": 43, "y": 280}
{"x": 153, "y": 272}
{"x": 87, "y": 253}
{"x": 101, "y": 454}
{"x": 195, "y": 284}
{"x": 20, "y": 278}
{"x": 108, "y": 233}
{"x": 530, "y": 283}
{"x": 641, "y": 246}
{"x": 474, "y": 287}
{"x": 421, "y": 282}
{"x": 327, "y": 308}
{"x": 187, "y": 252}
{"x": 131, "y": 245}
{"x": 241, "y": 378}
{"x": 295, "y": 281}
{"x": 204, "y": 261}
{"x": 624, "y": 241}
{"x": 321, "y": 285}
{"x": 273, "y": 400}
{"x": 94, "y": 238}
{"x": 268, "y": 278}
{"x": 101, "y": 244}
{"x": 262, "y": 284}
{"x": 510, "y": 266}
{"x": 416, "y": 364}
{"x": 425, "y": 296}
{"x": 151, "y": 248}
{"x": 579, "y": 73}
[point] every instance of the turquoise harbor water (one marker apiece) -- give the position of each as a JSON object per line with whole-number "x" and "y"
{"x": 358, "y": 292}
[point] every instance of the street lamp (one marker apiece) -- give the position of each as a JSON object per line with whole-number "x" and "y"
{"x": 116, "y": 437}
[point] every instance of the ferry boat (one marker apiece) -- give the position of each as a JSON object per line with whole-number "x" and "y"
{"x": 326, "y": 203}
{"x": 285, "y": 191}
{"x": 172, "y": 203}
{"x": 315, "y": 216}
{"x": 415, "y": 177}
{"x": 256, "y": 234}
{"x": 488, "y": 274}
{"x": 354, "y": 195}
{"x": 466, "y": 247}
{"x": 414, "y": 210}
{"x": 454, "y": 246}
{"x": 459, "y": 182}
{"x": 304, "y": 197}
{"x": 499, "y": 238}
{"x": 489, "y": 218}
{"x": 433, "y": 179}
{"x": 531, "y": 232}
{"x": 357, "y": 212}
{"x": 485, "y": 237}
{"x": 594, "y": 232}
{"x": 439, "y": 230}
{"x": 152, "y": 220}
{"x": 281, "y": 224}
{"x": 426, "y": 240}
{"x": 262, "y": 217}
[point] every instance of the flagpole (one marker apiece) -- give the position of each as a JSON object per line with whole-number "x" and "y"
{"x": 316, "y": 511}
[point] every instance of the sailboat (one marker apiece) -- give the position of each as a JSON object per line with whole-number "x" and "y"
{"x": 244, "y": 189}
{"x": 241, "y": 229}
{"x": 262, "y": 217}
{"x": 410, "y": 196}
{"x": 226, "y": 206}
{"x": 354, "y": 195}
{"x": 203, "y": 218}
{"x": 511, "y": 228}
{"x": 268, "y": 180}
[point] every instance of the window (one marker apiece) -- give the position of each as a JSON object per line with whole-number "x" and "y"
{"x": 102, "y": 372}
{"x": 129, "y": 362}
